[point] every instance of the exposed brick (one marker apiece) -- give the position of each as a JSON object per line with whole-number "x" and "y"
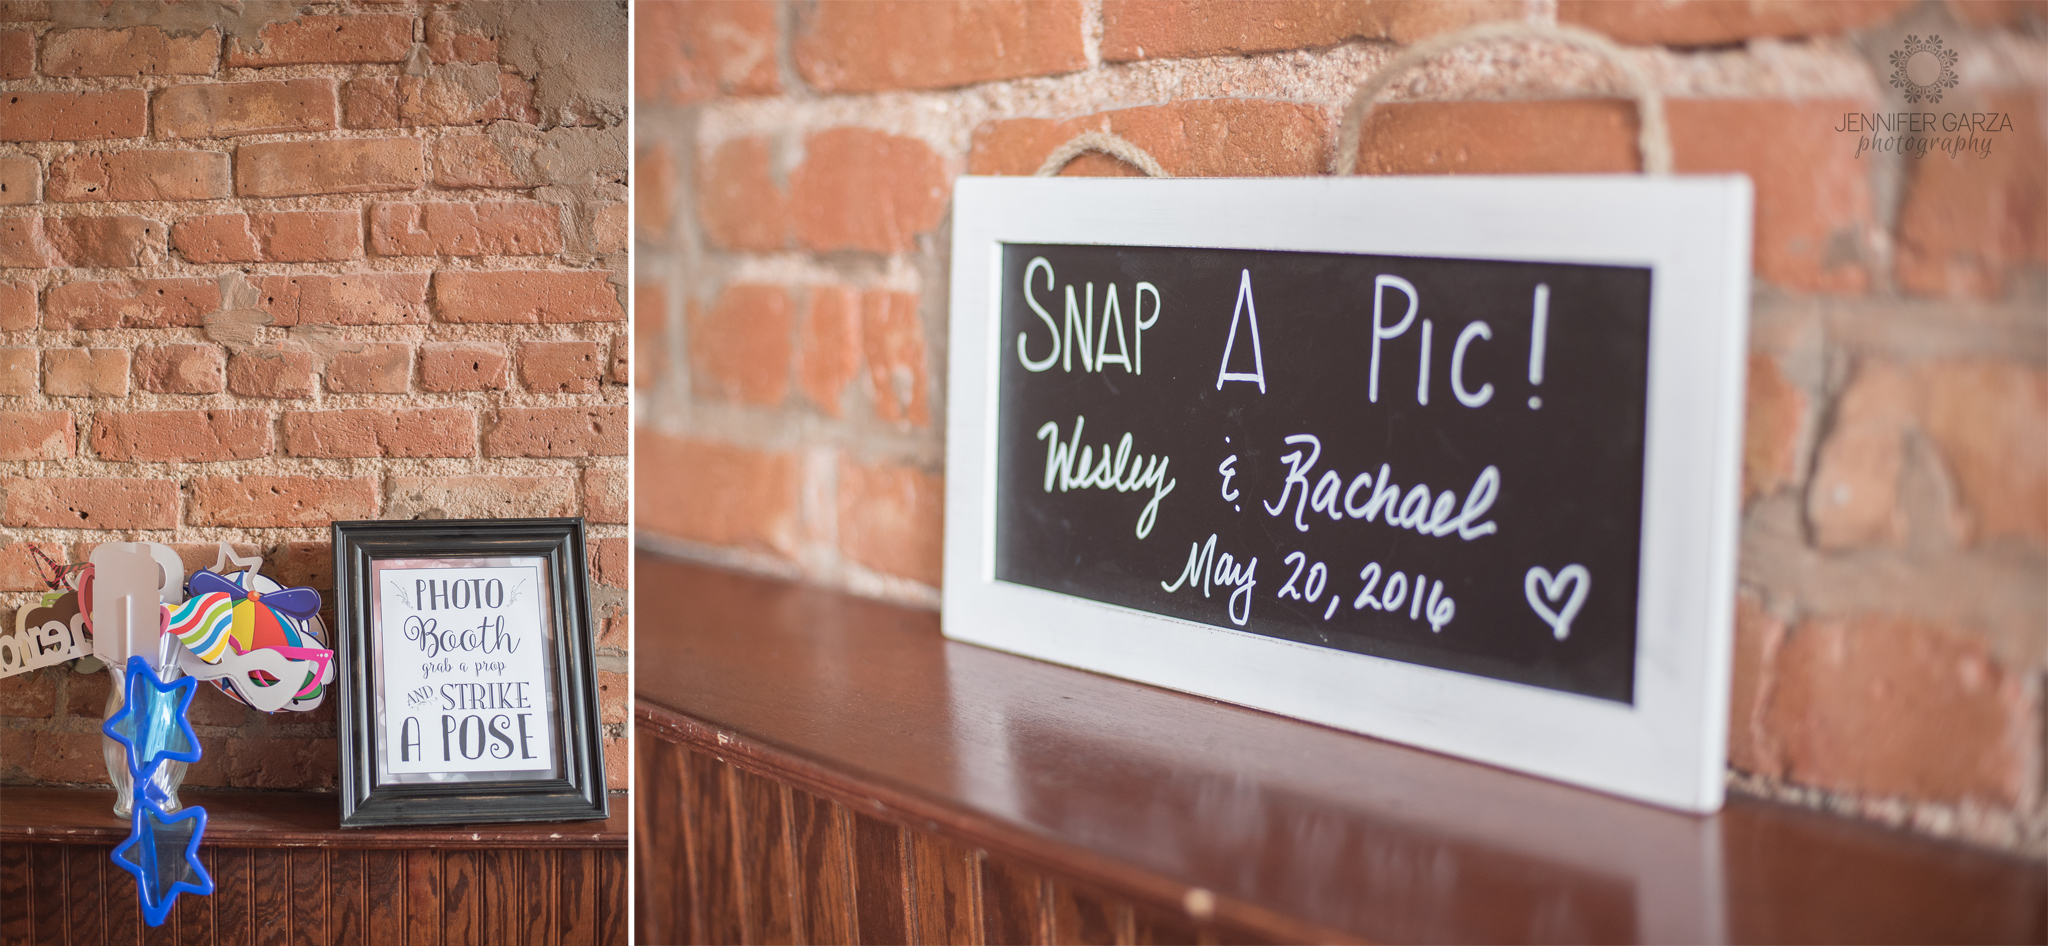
{"x": 371, "y": 368}
{"x": 38, "y": 435}
{"x": 480, "y": 228}
{"x": 738, "y": 202}
{"x": 592, "y": 431}
{"x": 227, "y": 109}
{"x": 24, "y": 245}
{"x": 20, "y": 570}
{"x": 351, "y": 37}
{"x": 1758, "y": 636}
{"x": 1987, "y": 420}
{"x": 892, "y": 338}
{"x": 182, "y": 369}
{"x": 690, "y": 52}
{"x": 1197, "y": 138}
{"x": 311, "y": 236}
{"x": 19, "y": 374}
{"x": 280, "y": 501}
{"x": 1854, "y": 497}
{"x": 68, "y": 757}
{"x": 17, "y": 307}
{"x": 303, "y": 565}
{"x": 1714, "y": 23}
{"x": 86, "y": 694}
{"x": 480, "y": 497}
{"x": 608, "y": 562}
{"x": 618, "y": 771}
{"x": 1968, "y": 223}
{"x": 106, "y": 241}
{"x": 606, "y": 230}
{"x": 621, "y": 370}
{"x": 33, "y": 695}
{"x": 73, "y": 116}
{"x": 349, "y": 166}
{"x": 464, "y": 366}
{"x": 617, "y": 630}
{"x": 740, "y": 349}
{"x": 476, "y": 161}
{"x": 246, "y": 762}
{"x": 17, "y": 54}
{"x": 141, "y": 175}
{"x": 138, "y": 51}
{"x": 131, "y": 303}
{"x": 561, "y": 367}
{"x": 179, "y": 436}
{"x": 273, "y": 373}
{"x": 450, "y": 39}
{"x": 416, "y": 101}
{"x": 654, "y": 193}
{"x": 829, "y": 346}
{"x": 864, "y": 190}
{"x": 52, "y": 502}
{"x": 604, "y": 495}
{"x": 2009, "y": 13}
{"x": 892, "y": 519}
{"x": 1776, "y": 416}
{"x": 1891, "y": 706}
{"x": 21, "y": 180}
{"x": 650, "y": 332}
{"x": 24, "y": 11}
{"x": 526, "y": 296}
{"x": 614, "y": 695}
{"x": 436, "y": 432}
{"x": 874, "y": 45}
{"x": 85, "y": 372}
{"x": 1178, "y": 29}
{"x": 717, "y": 493}
{"x": 1560, "y": 136}
{"x": 353, "y": 299}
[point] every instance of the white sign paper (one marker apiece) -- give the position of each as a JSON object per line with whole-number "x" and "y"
{"x": 464, "y": 670}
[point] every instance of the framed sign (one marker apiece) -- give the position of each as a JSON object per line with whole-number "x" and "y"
{"x": 1449, "y": 461}
{"x": 468, "y": 690}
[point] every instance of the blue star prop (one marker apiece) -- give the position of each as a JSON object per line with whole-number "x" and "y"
{"x": 162, "y": 851}
{"x": 151, "y": 723}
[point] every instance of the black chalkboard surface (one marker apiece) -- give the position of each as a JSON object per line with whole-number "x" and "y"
{"x": 1437, "y": 461}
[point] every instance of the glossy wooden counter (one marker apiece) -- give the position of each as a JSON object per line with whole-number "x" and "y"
{"x": 816, "y": 766}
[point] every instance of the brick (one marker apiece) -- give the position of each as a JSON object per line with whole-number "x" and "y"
{"x": 864, "y": 190}
{"x": 479, "y": 228}
{"x": 608, "y": 562}
{"x": 85, "y": 372}
{"x": 354, "y": 299}
{"x": 605, "y": 231}
{"x": 435, "y": 432}
{"x": 86, "y": 694}
{"x": 621, "y": 370}
{"x": 24, "y": 11}
{"x": 52, "y": 502}
{"x": 876, "y": 45}
{"x": 371, "y": 368}
{"x": 593, "y": 431}
{"x": 202, "y": 436}
{"x": 137, "y": 51}
{"x": 618, "y": 772}
{"x": 131, "y": 303}
{"x": 526, "y": 297}
{"x": 344, "y": 38}
{"x": 1968, "y": 225}
{"x": 480, "y": 497}
{"x": 228, "y": 109}
{"x": 829, "y": 346}
{"x": 141, "y": 175}
{"x": 476, "y": 161}
{"x": 182, "y": 369}
{"x": 21, "y": 180}
{"x": 892, "y": 338}
{"x": 614, "y": 695}
{"x": 717, "y": 494}
{"x": 19, "y": 375}
{"x": 17, "y": 307}
{"x": 604, "y": 495}
{"x": 1854, "y": 497}
{"x": 272, "y": 373}
{"x": 1181, "y": 29}
{"x": 25, "y": 245}
{"x": 33, "y": 695}
{"x": 1199, "y": 138}
{"x": 617, "y": 630}
{"x": 1714, "y": 23}
{"x": 312, "y": 236}
{"x": 1889, "y": 706}
{"x": 246, "y": 762}
{"x": 303, "y": 565}
{"x": 73, "y": 116}
{"x": 17, "y": 54}
{"x": 68, "y": 757}
{"x": 892, "y": 519}
{"x": 38, "y": 435}
{"x": 650, "y": 332}
{"x": 464, "y": 366}
{"x": 691, "y": 52}
{"x": 1562, "y": 136}
{"x": 351, "y": 166}
{"x": 1758, "y": 637}
{"x": 21, "y": 570}
{"x": 561, "y": 367}
{"x": 740, "y": 349}
{"x": 1776, "y": 417}
{"x": 450, "y": 39}
{"x": 2008, "y": 13}
{"x": 106, "y": 241}
{"x": 738, "y": 202}
{"x": 429, "y": 100}
{"x": 654, "y": 193}
{"x": 282, "y": 501}
{"x": 1986, "y": 419}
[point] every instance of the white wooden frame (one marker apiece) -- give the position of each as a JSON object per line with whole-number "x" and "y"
{"x": 1693, "y": 232}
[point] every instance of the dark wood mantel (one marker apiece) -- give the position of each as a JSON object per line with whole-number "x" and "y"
{"x": 814, "y": 766}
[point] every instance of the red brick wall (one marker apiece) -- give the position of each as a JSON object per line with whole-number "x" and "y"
{"x": 271, "y": 268}
{"x": 796, "y": 165}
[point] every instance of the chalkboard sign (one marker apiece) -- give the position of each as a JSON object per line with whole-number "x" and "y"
{"x": 1386, "y": 454}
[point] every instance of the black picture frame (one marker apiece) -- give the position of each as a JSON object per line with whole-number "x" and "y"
{"x": 575, "y": 789}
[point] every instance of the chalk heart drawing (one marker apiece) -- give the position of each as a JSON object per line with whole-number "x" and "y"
{"x": 1569, "y": 585}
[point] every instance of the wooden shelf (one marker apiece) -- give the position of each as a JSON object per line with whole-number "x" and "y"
{"x": 1259, "y": 826}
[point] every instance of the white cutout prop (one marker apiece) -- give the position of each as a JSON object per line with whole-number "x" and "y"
{"x": 44, "y": 636}
{"x": 132, "y": 581}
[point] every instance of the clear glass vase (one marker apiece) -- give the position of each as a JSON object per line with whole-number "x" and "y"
{"x": 169, "y": 775}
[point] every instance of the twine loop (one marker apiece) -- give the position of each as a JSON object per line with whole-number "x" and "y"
{"x": 1116, "y": 146}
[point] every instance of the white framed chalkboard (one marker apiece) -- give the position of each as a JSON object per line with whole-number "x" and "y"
{"x": 1452, "y": 461}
